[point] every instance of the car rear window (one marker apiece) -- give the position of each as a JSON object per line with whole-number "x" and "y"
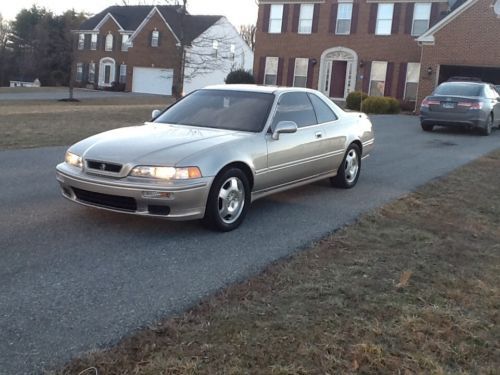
{"x": 460, "y": 89}
{"x": 221, "y": 109}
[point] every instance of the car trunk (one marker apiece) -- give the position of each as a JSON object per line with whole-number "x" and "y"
{"x": 452, "y": 104}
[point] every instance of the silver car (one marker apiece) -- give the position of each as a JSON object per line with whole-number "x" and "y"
{"x": 212, "y": 153}
{"x": 471, "y": 105}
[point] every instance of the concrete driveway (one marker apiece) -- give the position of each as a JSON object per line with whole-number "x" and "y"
{"x": 74, "y": 279}
{"x": 56, "y": 93}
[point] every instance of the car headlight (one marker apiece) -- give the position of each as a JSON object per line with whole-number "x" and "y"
{"x": 74, "y": 160}
{"x": 166, "y": 173}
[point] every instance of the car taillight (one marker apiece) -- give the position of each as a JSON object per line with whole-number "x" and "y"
{"x": 428, "y": 102}
{"x": 471, "y": 105}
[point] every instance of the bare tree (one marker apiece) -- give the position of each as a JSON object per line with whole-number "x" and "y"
{"x": 4, "y": 41}
{"x": 248, "y": 32}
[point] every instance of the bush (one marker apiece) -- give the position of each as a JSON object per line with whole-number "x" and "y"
{"x": 353, "y": 100}
{"x": 381, "y": 105}
{"x": 407, "y": 105}
{"x": 240, "y": 76}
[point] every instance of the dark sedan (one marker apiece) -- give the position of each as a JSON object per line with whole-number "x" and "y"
{"x": 465, "y": 104}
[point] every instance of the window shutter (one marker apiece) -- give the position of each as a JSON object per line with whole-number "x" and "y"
{"x": 310, "y": 74}
{"x": 333, "y": 17}
{"x": 296, "y": 16}
{"x": 401, "y": 80}
{"x": 279, "y": 79}
{"x": 366, "y": 76}
{"x": 409, "y": 17}
{"x": 388, "y": 79}
{"x": 85, "y": 74}
{"x": 159, "y": 38}
{"x": 284, "y": 22}
{"x": 434, "y": 14}
{"x": 372, "y": 23}
{"x": 265, "y": 21}
{"x": 395, "y": 18}
{"x": 291, "y": 71}
{"x": 262, "y": 67}
{"x": 315, "y": 24}
{"x": 354, "y": 20}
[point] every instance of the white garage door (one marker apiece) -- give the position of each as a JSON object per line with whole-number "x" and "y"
{"x": 153, "y": 81}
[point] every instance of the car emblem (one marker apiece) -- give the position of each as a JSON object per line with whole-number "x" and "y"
{"x": 102, "y": 167}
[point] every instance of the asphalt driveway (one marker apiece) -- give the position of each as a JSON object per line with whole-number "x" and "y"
{"x": 73, "y": 279}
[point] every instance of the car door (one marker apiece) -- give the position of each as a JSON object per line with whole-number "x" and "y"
{"x": 297, "y": 156}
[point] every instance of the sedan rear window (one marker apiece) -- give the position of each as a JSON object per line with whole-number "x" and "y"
{"x": 460, "y": 89}
{"x": 221, "y": 109}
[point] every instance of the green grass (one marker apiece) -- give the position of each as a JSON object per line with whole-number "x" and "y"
{"x": 411, "y": 288}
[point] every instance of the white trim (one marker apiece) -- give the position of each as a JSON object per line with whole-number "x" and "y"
{"x": 345, "y": 54}
{"x": 103, "y": 21}
{"x": 428, "y": 36}
{"x": 106, "y": 61}
{"x": 145, "y": 22}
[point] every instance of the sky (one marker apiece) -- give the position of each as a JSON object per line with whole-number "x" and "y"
{"x": 239, "y": 12}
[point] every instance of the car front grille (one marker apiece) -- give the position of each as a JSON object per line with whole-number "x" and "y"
{"x": 104, "y": 166}
{"x": 108, "y": 201}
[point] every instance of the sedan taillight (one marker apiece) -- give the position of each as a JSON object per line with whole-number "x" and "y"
{"x": 426, "y": 103}
{"x": 471, "y": 105}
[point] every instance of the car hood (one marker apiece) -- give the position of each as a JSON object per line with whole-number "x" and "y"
{"x": 152, "y": 144}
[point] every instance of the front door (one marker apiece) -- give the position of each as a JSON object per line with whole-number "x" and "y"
{"x": 338, "y": 76}
{"x": 107, "y": 74}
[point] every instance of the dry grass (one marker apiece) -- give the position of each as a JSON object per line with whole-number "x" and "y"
{"x": 25, "y": 124}
{"x": 412, "y": 288}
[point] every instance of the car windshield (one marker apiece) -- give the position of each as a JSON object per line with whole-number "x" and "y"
{"x": 460, "y": 89}
{"x": 221, "y": 109}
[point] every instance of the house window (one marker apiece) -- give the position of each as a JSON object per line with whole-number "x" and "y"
{"x": 109, "y": 43}
{"x": 215, "y": 47}
{"x": 276, "y": 18}
{"x": 92, "y": 72}
{"x": 123, "y": 73}
{"x": 377, "y": 78}
{"x": 344, "y": 16}
{"x": 300, "y": 72}
{"x": 125, "y": 43}
{"x": 79, "y": 72}
{"x": 271, "y": 71}
{"x": 232, "y": 53}
{"x": 93, "y": 42}
{"x": 384, "y": 19}
{"x": 421, "y": 18}
{"x": 306, "y": 18}
{"x": 412, "y": 78}
{"x": 81, "y": 41}
{"x": 155, "y": 38}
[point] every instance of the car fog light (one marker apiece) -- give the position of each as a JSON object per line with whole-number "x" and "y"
{"x": 158, "y": 195}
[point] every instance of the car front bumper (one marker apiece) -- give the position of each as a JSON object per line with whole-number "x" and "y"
{"x": 175, "y": 200}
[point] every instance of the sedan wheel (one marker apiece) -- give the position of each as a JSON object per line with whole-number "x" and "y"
{"x": 348, "y": 172}
{"x": 228, "y": 201}
{"x": 488, "y": 127}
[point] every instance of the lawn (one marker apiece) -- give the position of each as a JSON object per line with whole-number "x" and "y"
{"x": 413, "y": 287}
{"x": 25, "y": 124}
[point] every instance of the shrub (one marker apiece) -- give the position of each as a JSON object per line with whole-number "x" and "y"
{"x": 353, "y": 100}
{"x": 381, "y": 105}
{"x": 407, "y": 105}
{"x": 240, "y": 76}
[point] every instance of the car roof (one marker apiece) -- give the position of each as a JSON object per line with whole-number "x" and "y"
{"x": 258, "y": 88}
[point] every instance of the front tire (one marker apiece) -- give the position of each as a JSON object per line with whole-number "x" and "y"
{"x": 348, "y": 172}
{"x": 427, "y": 127}
{"x": 228, "y": 201}
{"x": 488, "y": 126}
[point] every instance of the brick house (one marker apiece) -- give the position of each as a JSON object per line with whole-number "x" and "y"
{"x": 138, "y": 47}
{"x": 399, "y": 48}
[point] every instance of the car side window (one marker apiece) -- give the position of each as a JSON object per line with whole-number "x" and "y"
{"x": 296, "y": 107}
{"x": 323, "y": 112}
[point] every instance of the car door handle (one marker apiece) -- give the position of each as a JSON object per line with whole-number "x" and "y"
{"x": 319, "y": 135}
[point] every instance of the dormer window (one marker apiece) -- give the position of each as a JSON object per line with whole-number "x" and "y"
{"x": 155, "y": 38}
{"x": 109, "y": 42}
{"x": 81, "y": 41}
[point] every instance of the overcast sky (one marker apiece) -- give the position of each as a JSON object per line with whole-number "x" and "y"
{"x": 239, "y": 12}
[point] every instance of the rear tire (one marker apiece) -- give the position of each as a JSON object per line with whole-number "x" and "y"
{"x": 488, "y": 126}
{"x": 349, "y": 170}
{"x": 427, "y": 127}
{"x": 228, "y": 201}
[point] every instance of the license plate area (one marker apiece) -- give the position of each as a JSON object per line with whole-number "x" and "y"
{"x": 449, "y": 105}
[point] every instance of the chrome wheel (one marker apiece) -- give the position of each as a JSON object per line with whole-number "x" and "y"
{"x": 231, "y": 200}
{"x": 351, "y": 166}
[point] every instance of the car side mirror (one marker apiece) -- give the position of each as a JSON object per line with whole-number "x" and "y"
{"x": 155, "y": 114}
{"x": 283, "y": 127}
